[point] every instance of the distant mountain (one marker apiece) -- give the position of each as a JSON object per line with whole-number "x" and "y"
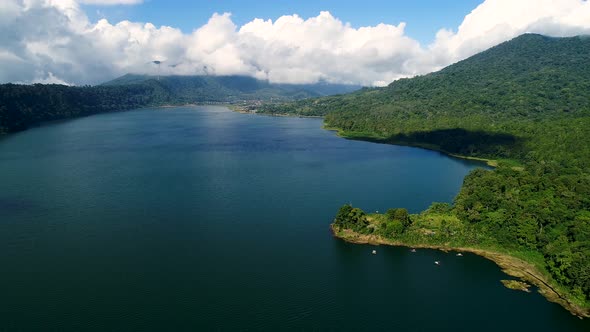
{"x": 22, "y": 106}
{"x": 195, "y": 89}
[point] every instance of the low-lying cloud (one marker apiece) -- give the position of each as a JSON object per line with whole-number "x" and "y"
{"x": 54, "y": 41}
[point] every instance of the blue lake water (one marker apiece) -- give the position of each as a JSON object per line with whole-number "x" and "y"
{"x": 199, "y": 218}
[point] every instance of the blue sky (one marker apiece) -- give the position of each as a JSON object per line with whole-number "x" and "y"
{"x": 75, "y": 47}
{"x": 423, "y": 17}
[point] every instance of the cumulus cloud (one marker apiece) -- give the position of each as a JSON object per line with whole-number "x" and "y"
{"x": 495, "y": 21}
{"x": 110, "y": 2}
{"x": 54, "y": 41}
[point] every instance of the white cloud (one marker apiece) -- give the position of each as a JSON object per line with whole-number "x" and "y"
{"x": 495, "y": 21}
{"x": 49, "y": 78}
{"x": 110, "y": 2}
{"x": 296, "y": 50}
{"x": 53, "y": 40}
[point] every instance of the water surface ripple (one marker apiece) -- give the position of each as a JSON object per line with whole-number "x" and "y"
{"x": 197, "y": 218}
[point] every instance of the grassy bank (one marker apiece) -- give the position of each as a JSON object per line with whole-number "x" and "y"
{"x": 443, "y": 231}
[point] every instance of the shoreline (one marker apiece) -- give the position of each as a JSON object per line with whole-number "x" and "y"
{"x": 490, "y": 162}
{"x": 510, "y": 265}
{"x": 278, "y": 115}
{"x": 173, "y": 106}
{"x": 343, "y": 134}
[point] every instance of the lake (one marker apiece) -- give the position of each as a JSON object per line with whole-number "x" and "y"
{"x": 199, "y": 218}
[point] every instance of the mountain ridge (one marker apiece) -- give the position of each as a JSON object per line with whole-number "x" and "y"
{"x": 23, "y": 106}
{"x": 231, "y": 88}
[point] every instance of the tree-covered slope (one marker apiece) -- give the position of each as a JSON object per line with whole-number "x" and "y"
{"x": 526, "y": 100}
{"x": 511, "y": 89}
{"x": 528, "y": 76}
{"x": 22, "y": 106}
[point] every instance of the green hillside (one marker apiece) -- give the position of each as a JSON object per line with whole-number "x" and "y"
{"x": 22, "y": 106}
{"x": 525, "y": 103}
{"x": 195, "y": 89}
{"x": 511, "y": 89}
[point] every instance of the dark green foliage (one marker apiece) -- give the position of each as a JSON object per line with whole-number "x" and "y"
{"x": 400, "y": 214}
{"x": 461, "y": 141}
{"x": 440, "y": 208}
{"x": 342, "y": 217}
{"x": 198, "y": 89}
{"x": 352, "y": 218}
{"x": 390, "y": 214}
{"x": 580, "y": 228}
{"x": 516, "y": 100}
{"x": 542, "y": 208}
{"x": 22, "y": 106}
{"x": 403, "y": 216}
{"x": 526, "y": 100}
{"x": 397, "y": 222}
{"x": 393, "y": 228}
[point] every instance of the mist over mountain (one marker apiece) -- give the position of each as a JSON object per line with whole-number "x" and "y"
{"x": 207, "y": 88}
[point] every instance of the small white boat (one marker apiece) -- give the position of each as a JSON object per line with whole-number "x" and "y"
{"x": 374, "y": 252}
{"x": 437, "y": 262}
{"x": 460, "y": 254}
{"x": 413, "y": 250}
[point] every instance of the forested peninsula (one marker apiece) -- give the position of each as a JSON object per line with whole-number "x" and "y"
{"x": 525, "y": 104}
